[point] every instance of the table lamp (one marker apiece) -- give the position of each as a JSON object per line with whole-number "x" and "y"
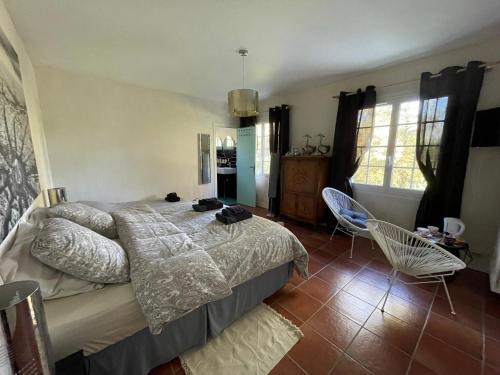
{"x": 56, "y": 195}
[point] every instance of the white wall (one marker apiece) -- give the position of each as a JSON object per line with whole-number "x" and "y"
{"x": 113, "y": 141}
{"x": 32, "y": 101}
{"x": 314, "y": 110}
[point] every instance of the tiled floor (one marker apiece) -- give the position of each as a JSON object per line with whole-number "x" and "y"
{"x": 345, "y": 332}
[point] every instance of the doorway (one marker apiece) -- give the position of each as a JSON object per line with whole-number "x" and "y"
{"x": 225, "y": 148}
{"x": 235, "y": 165}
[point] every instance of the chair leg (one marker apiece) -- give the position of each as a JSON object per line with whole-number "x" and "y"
{"x": 333, "y": 233}
{"x": 393, "y": 279}
{"x": 389, "y": 276}
{"x": 448, "y": 295}
{"x": 352, "y": 245}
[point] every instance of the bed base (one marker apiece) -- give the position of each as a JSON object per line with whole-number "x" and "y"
{"x": 140, "y": 353}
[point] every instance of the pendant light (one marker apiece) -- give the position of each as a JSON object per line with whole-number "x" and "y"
{"x": 243, "y": 102}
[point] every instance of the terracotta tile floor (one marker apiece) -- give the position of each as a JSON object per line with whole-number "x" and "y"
{"x": 338, "y": 310}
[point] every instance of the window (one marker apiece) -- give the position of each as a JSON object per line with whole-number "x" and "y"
{"x": 389, "y": 160}
{"x": 372, "y": 168}
{"x": 262, "y": 153}
{"x": 405, "y": 171}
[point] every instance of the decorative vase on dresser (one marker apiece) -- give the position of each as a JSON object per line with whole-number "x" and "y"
{"x": 302, "y": 180}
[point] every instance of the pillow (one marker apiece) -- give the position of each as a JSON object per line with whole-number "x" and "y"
{"x": 16, "y": 264}
{"x": 77, "y": 250}
{"x": 360, "y": 223}
{"x": 354, "y": 214}
{"x": 89, "y": 217}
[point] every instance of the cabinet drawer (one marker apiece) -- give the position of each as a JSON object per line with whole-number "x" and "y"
{"x": 306, "y": 207}
{"x": 288, "y": 202}
{"x": 300, "y": 176}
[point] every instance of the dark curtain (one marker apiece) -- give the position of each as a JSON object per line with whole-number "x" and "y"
{"x": 279, "y": 143}
{"x": 448, "y": 105}
{"x": 279, "y": 122}
{"x": 248, "y": 121}
{"x": 352, "y": 134}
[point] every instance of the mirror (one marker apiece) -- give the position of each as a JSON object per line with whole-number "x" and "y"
{"x": 204, "y": 172}
{"x": 228, "y": 143}
{"x": 218, "y": 143}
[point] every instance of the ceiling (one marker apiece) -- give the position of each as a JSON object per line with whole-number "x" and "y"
{"x": 190, "y": 46}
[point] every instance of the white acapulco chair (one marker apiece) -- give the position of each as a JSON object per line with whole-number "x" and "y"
{"x": 336, "y": 201}
{"x": 413, "y": 255}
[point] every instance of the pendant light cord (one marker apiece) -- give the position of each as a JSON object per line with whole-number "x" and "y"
{"x": 243, "y": 56}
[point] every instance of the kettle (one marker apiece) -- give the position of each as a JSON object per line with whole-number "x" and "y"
{"x": 453, "y": 226}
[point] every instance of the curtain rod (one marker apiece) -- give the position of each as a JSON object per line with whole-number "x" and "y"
{"x": 487, "y": 66}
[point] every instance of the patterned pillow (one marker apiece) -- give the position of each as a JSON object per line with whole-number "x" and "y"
{"x": 89, "y": 217}
{"x": 76, "y": 250}
{"x": 16, "y": 264}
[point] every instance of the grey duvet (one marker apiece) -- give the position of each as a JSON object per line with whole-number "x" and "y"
{"x": 181, "y": 259}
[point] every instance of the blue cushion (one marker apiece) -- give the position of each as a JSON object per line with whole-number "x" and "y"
{"x": 347, "y": 217}
{"x": 345, "y": 211}
{"x": 354, "y": 214}
{"x": 360, "y": 223}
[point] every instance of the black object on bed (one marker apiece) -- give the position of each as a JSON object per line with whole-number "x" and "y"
{"x": 172, "y": 197}
{"x": 208, "y": 201}
{"x": 140, "y": 353}
{"x": 233, "y": 214}
{"x": 208, "y": 204}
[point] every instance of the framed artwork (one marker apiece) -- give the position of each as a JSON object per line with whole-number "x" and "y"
{"x": 19, "y": 184}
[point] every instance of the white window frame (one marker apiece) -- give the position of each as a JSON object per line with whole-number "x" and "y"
{"x": 386, "y": 188}
{"x": 264, "y": 147}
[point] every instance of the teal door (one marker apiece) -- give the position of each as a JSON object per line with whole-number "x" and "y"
{"x": 245, "y": 164}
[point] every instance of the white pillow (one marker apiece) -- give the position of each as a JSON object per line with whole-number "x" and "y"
{"x": 16, "y": 264}
{"x": 81, "y": 252}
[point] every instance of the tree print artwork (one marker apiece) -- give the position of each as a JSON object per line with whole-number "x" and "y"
{"x": 18, "y": 171}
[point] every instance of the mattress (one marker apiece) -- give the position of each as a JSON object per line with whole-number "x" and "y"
{"x": 92, "y": 321}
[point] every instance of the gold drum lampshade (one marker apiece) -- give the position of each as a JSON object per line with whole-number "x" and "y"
{"x": 243, "y": 102}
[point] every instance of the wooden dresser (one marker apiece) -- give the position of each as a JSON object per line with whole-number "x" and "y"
{"x": 302, "y": 180}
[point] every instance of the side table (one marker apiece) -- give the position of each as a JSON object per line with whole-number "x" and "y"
{"x": 455, "y": 250}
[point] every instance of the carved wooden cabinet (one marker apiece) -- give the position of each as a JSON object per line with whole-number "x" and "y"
{"x": 302, "y": 180}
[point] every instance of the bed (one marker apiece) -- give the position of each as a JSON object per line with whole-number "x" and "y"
{"x": 107, "y": 331}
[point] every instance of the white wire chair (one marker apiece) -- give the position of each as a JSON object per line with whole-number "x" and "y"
{"x": 336, "y": 200}
{"x": 413, "y": 255}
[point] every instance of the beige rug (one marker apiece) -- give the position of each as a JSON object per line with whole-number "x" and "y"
{"x": 254, "y": 344}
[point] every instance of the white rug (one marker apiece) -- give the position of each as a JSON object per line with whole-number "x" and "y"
{"x": 254, "y": 344}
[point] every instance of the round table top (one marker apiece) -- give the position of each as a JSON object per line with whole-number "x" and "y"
{"x": 437, "y": 238}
